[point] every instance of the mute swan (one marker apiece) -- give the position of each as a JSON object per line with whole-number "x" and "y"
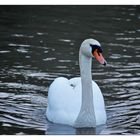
{"x": 78, "y": 102}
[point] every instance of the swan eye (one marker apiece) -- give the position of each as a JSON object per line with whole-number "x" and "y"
{"x": 94, "y": 47}
{"x": 100, "y": 50}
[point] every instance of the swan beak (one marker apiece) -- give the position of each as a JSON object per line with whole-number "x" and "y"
{"x": 99, "y": 57}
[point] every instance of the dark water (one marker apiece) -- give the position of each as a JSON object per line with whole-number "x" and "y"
{"x": 40, "y": 43}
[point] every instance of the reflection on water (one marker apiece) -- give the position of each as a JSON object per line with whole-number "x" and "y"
{"x": 57, "y": 129}
{"x": 40, "y": 43}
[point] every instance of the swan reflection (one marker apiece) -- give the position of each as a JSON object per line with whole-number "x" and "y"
{"x": 59, "y": 129}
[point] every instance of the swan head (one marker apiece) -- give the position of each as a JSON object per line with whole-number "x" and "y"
{"x": 92, "y": 48}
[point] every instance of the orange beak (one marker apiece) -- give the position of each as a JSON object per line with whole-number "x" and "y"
{"x": 99, "y": 57}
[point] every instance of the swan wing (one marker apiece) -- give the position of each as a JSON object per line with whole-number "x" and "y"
{"x": 99, "y": 105}
{"x": 63, "y": 100}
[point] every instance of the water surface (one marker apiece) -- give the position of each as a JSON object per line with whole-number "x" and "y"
{"x": 40, "y": 43}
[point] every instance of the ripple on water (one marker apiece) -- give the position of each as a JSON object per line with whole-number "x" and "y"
{"x": 24, "y": 114}
{"x": 22, "y": 50}
{"x": 18, "y": 45}
{"x": 65, "y": 40}
{"x": 21, "y": 36}
{"x": 49, "y": 59}
{"x": 3, "y": 52}
{"x": 22, "y": 86}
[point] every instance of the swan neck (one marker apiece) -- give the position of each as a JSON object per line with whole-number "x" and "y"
{"x": 86, "y": 79}
{"x": 85, "y": 68}
{"x": 86, "y": 116}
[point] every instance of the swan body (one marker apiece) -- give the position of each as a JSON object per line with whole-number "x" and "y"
{"x": 78, "y": 102}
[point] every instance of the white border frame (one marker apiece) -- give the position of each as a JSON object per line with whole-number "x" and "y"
{"x": 70, "y": 2}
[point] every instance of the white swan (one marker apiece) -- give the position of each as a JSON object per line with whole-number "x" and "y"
{"x": 78, "y": 102}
